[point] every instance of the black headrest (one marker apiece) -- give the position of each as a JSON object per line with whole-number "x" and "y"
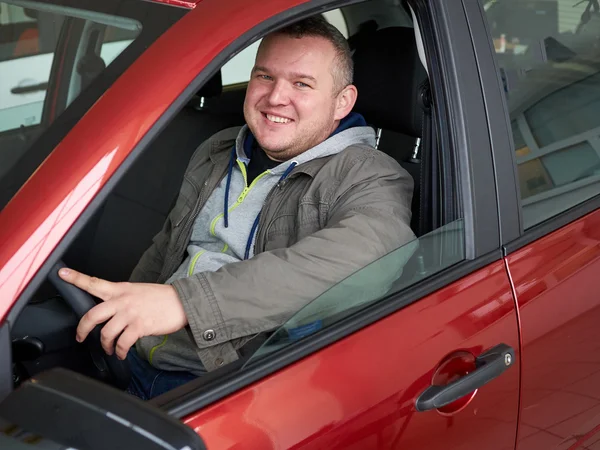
{"x": 388, "y": 74}
{"x": 213, "y": 87}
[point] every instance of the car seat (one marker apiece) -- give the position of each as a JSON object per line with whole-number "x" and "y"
{"x": 393, "y": 97}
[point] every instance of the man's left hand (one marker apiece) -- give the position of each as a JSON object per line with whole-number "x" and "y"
{"x": 131, "y": 310}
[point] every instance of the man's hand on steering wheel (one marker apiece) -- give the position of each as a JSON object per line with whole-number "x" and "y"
{"x": 131, "y": 310}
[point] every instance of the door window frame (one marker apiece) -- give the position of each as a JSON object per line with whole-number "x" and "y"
{"x": 460, "y": 107}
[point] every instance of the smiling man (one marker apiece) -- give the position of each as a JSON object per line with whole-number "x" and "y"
{"x": 269, "y": 217}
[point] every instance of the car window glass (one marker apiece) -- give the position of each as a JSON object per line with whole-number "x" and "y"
{"x": 26, "y": 59}
{"x": 399, "y": 269}
{"x": 27, "y": 42}
{"x": 548, "y": 53}
{"x": 237, "y": 69}
{"x": 89, "y": 42}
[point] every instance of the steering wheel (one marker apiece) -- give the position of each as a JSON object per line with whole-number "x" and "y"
{"x": 81, "y": 302}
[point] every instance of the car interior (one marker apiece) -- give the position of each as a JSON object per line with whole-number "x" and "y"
{"x": 394, "y": 97}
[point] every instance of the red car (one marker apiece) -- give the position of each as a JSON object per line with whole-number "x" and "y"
{"x": 488, "y": 339}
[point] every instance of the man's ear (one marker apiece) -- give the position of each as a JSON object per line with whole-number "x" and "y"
{"x": 345, "y": 101}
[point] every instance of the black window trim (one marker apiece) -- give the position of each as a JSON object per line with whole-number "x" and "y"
{"x": 484, "y": 248}
{"x": 505, "y": 167}
{"x": 469, "y": 128}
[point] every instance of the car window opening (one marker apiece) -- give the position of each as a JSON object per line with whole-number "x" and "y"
{"x": 140, "y": 203}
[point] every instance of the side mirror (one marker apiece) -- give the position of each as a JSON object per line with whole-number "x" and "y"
{"x": 74, "y": 411}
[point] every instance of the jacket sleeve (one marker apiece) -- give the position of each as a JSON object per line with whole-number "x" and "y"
{"x": 368, "y": 218}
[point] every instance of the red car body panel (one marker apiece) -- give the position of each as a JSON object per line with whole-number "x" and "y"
{"x": 560, "y": 317}
{"x": 36, "y": 219}
{"x": 360, "y": 393}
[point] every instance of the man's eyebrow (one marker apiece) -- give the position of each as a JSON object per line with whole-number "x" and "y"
{"x": 293, "y": 74}
{"x": 304, "y": 76}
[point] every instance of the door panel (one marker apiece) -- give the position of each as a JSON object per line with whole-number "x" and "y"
{"x": 557, "y": 280}
{"x": 360, "y": 392}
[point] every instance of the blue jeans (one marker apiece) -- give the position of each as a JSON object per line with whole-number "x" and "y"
{"x": 148, "y": 382}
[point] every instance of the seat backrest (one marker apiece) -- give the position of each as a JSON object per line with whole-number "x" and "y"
{"x": 389, "y": 77}
{"x": 387, "y": 73}
{"x": 113, "y": 241}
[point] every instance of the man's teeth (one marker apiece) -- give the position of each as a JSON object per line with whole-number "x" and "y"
{"x": 277, "y": 119}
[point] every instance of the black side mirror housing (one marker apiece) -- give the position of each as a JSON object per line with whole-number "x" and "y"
{"x": 73, "y": 410}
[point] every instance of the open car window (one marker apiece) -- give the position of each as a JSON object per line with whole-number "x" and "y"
{"x": 389, "y": 275}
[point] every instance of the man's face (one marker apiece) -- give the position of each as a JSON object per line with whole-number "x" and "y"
{"x": 290, "y": 103}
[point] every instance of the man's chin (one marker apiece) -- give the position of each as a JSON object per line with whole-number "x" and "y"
{"x": 272, "y": 145}
{"x": 276, "y": 154}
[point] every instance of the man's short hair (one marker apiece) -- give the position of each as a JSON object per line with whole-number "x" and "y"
{"x": 317, "y": 26}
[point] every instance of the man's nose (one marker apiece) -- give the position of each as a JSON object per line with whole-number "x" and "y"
{"x": 279, "y": 94}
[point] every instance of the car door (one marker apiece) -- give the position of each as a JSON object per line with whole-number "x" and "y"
{"x": 350, "y": 370}
{"x": 396, "y": 341}
{"x": 548, "y": 156}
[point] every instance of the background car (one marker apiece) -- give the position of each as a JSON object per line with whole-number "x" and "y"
{"x": 486, "y": 338}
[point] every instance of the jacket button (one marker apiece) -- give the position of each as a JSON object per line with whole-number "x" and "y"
{"x": 208, "y": 335}
{"x": 219, "y": 362}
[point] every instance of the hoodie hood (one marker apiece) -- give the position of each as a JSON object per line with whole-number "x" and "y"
{"x": 350, "y": 131}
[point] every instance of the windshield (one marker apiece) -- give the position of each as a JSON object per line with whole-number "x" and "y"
{"x": 55, "y": 62}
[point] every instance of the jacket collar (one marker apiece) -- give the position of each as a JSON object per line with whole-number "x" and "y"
{"x": 310, "y": 168}
{"x": 220, "y": 150}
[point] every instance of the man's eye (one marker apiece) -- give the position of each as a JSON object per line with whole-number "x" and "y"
{"x": 265, "y": 77}
{"x": 302, "y": 85}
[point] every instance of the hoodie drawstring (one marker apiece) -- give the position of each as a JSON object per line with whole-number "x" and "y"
{"x": 226, "y": 201}
{"x": 255, "y": 224}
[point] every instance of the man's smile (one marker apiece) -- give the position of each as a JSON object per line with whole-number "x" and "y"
{"x": 276, "y": 119}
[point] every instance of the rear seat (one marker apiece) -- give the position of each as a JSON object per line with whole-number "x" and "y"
{"x": 114, "y": 239}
